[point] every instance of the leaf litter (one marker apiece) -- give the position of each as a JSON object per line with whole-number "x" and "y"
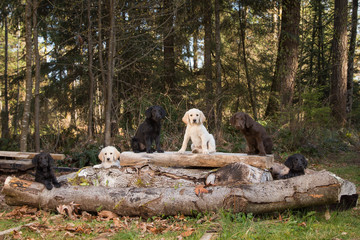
{"x": 72, "y": 222}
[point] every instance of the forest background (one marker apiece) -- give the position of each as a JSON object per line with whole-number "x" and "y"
{"x": 79, "y": 75}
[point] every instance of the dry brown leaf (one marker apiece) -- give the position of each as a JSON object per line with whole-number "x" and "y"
{"x": 16, "y": 234}
{"x": 107, "y": 215}
{"x": 200, "y": 189}
{"x": 70, "y": 210}
{"x": 85, "y": 216}
{"x": 188, "y": 232}
{"x": 303, "y": 224}
{"x": 327, "y": 215}
{"x": 118, "y": 223}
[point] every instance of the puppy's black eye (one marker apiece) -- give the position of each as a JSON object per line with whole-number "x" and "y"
{"x": 105, "y": 153}
{"x": 110, "y": 153}
{"x": 190, "y": 115}
{"x": 197, "y": 114}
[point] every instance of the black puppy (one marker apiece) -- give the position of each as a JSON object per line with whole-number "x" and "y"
{"x": 149, "y": 131}
{"x": 297, "y": 164}
{"x": 44, "y": 173}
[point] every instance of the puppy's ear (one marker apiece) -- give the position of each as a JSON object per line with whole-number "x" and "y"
{"x": 202, "y": 117}
{"x": 232, "y": 119}
{"x": 35, "y": 159}
{"x": 148, "y": 112}
{"x": 163, "y": 112}
{"x": 117, "y": 155}
{"x": 248, "y": 121}
{"x": 101, "y": 155}
{"x": 185, "y": 118}
{"x": 51, "y": 161}
{"x": 289, "y": 162}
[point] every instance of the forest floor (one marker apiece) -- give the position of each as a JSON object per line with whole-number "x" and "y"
{"x": 295, "y": 224}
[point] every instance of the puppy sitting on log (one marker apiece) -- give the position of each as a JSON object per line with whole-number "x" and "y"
{"x": 258, "y": 141}
{"x": 149, "y": 131}
{"x": 296, "y": 163}
{"x": 44, "y": 173}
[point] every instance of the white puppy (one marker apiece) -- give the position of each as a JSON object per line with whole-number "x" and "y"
{"x": 202, "y": 141}
{"x": 109, "y": 156}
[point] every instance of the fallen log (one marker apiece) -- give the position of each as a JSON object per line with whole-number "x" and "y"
{"x": 156, "y": 176}
{"x": 318, "y": 188}
{"x": 27, "y": 155}
{"x": 188, "y": 159}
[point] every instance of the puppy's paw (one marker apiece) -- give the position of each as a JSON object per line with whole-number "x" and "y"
{"x": 262, "y": 154}
{"x": 160, "y": 151}
{"x": 181, "y": 151}
{"x": 57, "y": 185}
{"x": 205, "y": 151}
{"x": 98, "y": 166}
{"x": 48, "y": 186}
{"x": 150, "y": 151}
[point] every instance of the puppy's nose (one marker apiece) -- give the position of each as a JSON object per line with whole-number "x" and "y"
{"x": 108, "y": 159}
{"x": 194, "y": 120}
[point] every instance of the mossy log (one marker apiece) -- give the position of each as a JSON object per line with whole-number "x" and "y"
{"x": 318, "y": 188}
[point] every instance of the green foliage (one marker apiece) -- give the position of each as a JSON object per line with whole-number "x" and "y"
{"x": 86, "y": 156}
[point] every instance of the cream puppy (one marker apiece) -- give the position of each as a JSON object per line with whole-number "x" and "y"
{"x": 109, "y": 156}
{"x": 202, "y": 141}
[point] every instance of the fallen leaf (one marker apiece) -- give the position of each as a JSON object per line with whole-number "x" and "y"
{"x": 107, "y": 215}
{"x": 303, "y": 224}
{"x": 200, "y": 189}
{"x": 70, "y": 210}
{"x": 327, "y": 215}
{"x": 188, "y": 232}
{"x": 85, "y": 216}
{"x": 16, "y": 234}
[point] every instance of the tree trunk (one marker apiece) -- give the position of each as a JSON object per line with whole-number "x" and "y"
{"x": 91, "y": 75}
{"x": 317, "y": 189}
{"x": 350, "y": 70}
{"x": 28, "y": 96}
{"x": 188, "y": 159}
{"x": 209, "y": 111}
{"x": 168, "y": 41}
{"x": 110, "y": 74}
{"x": 195, "y": 49}
{"x": 37, "y": 78}
{"x": 282, "y": 89}
{"x": 339, "y": 67}
{"x": 242, "y": 19}
{"x": 219, "y": 107}
{"x": 5, "y": 133}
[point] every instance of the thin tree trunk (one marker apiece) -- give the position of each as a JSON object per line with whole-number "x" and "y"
{"x": 242, "y": 18}
{"x": 350, "y": 73}
{"x": 28, "y": 96}
{"x": 219, "y": 107}
{"x": 195, "y": 49}
{"x": 207, "y": 11}
{"x": 168, "y": 41}
{"x": 110, "y": 75}
{"x": 91, "y": 75}
{"x": 5, "y": 111}
{"x": 101, "y": 63}
{"x": 16, "y": 116}
{"x": 37, "y": 78}
{"x": 339, "y": 67}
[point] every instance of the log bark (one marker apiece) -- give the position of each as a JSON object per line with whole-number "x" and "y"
{"x": 188, "y": 159}
{"x": 28, "y": 155}
{"x": 320, "y": 188}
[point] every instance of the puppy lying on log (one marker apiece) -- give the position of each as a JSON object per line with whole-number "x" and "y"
{"x": 296, "y": 165}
